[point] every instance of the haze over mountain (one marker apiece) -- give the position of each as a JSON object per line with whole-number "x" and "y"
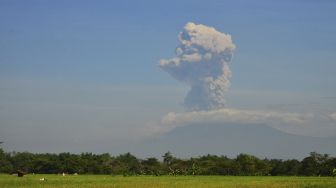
{"x": 232, "y": 139}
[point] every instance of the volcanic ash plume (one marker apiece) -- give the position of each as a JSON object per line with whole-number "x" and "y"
{"x": 202, "y": 62}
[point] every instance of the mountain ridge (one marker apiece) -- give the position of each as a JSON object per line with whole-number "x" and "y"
{"x": 231, "y": 139}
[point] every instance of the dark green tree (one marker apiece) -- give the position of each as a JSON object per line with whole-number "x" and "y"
{"x": 70, "y": 163}
{"x": 22, "y": 161}
{"x": 168, "y": 158}
{"x": 151, "y": 166}
{"x": 247, "y": 164}
{"x": 126, "y": 164}
{"x": 309, "y": 167}
{"x": 292, "y": 167}
{"x": 5, "y": 163}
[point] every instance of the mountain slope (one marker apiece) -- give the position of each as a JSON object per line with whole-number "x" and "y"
{"x": 232, "y": 139}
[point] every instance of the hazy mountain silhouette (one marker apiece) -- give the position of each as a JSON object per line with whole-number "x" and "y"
{"x": 232, "y": 139}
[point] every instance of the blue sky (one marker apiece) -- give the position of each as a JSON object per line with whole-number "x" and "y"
{"x": 81, "y": 40}
{"x": 91, "y": 65}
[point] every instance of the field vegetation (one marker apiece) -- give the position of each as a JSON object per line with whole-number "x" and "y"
{"x": 128, "y": 165}
{"x": 104, "y": 181}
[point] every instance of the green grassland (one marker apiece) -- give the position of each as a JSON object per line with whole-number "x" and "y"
{"x": 104, "y": 181}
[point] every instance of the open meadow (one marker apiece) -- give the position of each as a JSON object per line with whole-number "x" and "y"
{"x": 102, "y": 181}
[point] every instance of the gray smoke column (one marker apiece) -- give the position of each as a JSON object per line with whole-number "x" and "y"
{"x": 202, "y": 61}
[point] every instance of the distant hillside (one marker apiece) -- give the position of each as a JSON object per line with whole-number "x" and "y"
{"x": 232, "y": 139}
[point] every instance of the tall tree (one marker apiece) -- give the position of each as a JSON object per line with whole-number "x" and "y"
{"x": 5, "y": 164}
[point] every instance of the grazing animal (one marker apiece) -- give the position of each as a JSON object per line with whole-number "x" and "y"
{"x": 20, "y": 173}
{"x": 43, "y": 179}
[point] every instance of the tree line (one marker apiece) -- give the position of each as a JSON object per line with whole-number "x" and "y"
{"x": 127, "y": 164}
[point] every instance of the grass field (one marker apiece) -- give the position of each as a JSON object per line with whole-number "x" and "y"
{"x": 104, "y": 181}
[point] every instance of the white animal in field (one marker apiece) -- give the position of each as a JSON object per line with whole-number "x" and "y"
{"x": 43, "y": 179}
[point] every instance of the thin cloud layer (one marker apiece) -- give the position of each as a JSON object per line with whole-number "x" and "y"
{"x": 233, "y": 115}
{"x": 307, "y": 124}
{"x": 202, "y": 62}
{"x": 227, "y": 115}
{"x": 333, "y": 116}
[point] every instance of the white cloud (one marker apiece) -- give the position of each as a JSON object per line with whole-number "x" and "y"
{"x": 231, "y": 115}
{"x": 308, "y": 124}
